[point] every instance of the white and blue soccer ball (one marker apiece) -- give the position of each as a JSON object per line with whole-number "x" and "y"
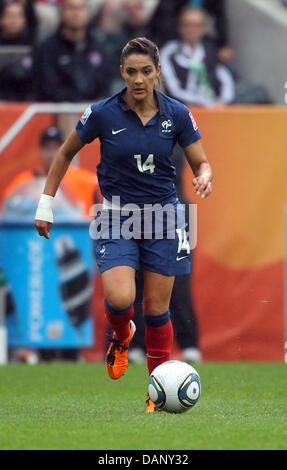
{"x": 174, "y": 386}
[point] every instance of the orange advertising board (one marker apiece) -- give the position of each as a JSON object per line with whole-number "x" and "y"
{"x": 238, "y": 272}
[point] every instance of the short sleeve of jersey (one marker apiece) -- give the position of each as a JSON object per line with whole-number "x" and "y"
{"x": 187, "y": 130}
{"x": 88, "y": 127}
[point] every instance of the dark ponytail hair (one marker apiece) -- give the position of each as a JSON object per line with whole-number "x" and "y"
{"x": 141, "y": 46}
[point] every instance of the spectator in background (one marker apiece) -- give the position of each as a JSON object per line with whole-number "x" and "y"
{"x": 162, "y": 25}
{"x": 81, "y": 184}
{"x": 17, "y": 28}
{"x": 216, "y": 12}
{"x": 115, "y": 22}
{"x": 191, "y": 70}
{"x": 70, "y": 65}
{"x": 18, "y": 24}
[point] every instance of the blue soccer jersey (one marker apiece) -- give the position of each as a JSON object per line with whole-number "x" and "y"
{"x": 135, "y": 158}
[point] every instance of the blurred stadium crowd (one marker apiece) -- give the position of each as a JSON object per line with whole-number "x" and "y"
{"x": 60, "y": 50}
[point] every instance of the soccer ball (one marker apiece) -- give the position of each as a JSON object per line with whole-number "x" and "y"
{"x": 174, "y": 386}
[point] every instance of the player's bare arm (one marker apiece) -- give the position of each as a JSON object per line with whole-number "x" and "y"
{"x": 66, "y": 152}
{"x": 44, "y": 216}
{"x": 201, "y": 168}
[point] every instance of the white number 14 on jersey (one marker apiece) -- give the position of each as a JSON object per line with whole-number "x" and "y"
{"x": 147, "y": 165}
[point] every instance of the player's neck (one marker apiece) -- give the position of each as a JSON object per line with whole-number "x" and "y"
{"x": 143, "y": 107}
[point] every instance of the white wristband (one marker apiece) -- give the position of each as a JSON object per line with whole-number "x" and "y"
{"x": 44, "y": 210}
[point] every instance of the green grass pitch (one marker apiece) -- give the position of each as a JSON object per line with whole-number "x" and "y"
{"x": 76, "y": 406}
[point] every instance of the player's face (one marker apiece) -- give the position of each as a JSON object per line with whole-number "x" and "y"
{"x": 140, "y": 74}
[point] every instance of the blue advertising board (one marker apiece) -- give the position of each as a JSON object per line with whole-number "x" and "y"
{"x": 50, "y": 283}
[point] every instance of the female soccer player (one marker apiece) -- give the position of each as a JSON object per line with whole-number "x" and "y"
{"x": 137, "y": 128}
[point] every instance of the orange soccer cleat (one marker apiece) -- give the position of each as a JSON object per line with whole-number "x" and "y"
{"x": 117, "y": 355}
{"x": 150, "y": 406}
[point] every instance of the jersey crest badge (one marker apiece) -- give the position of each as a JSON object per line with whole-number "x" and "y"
{"x": 166, "y": 126}
{"x": 86, "y": 115}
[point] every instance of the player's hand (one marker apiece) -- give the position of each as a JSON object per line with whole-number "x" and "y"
{"x": 43, "y": 228}
{"x": 202, "y": 186}
{"x": 44, "y": 215}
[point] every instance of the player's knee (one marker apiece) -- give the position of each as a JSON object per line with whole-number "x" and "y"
{"x": 120, "y": 300}
{"x": 154, "y": 306}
